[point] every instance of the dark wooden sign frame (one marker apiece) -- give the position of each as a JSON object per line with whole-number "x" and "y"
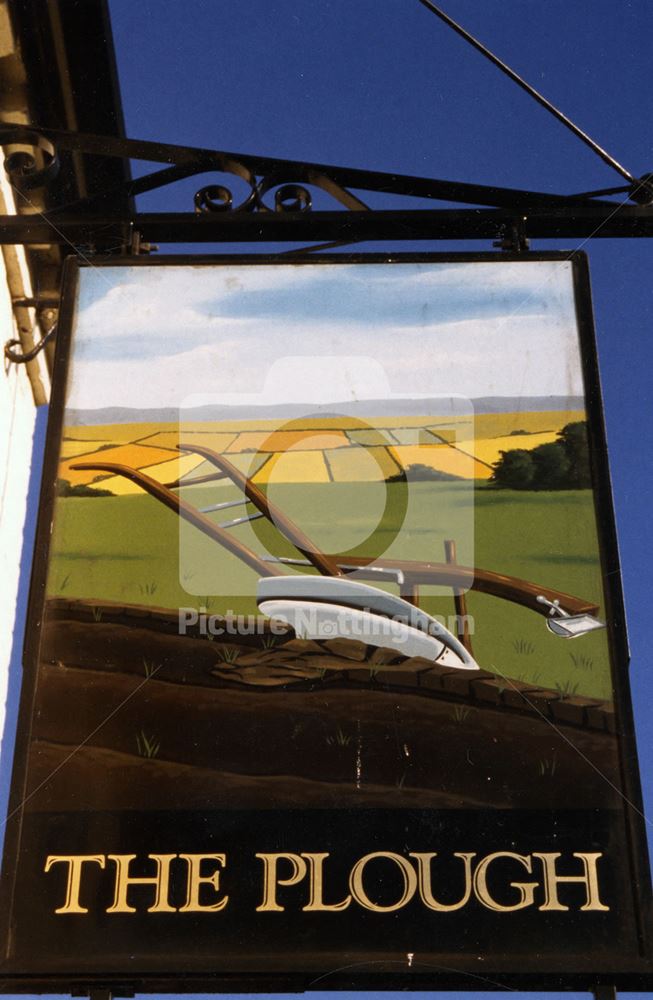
{"x": 624, "y": 964}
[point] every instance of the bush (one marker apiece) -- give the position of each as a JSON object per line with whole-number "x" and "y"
{"x": 551, "y": 467}
{"x": 560, "y": 465}
{"x": 66, "y": 489}
{"x": 574, "y": 439}
{"x": 514, "y": 470}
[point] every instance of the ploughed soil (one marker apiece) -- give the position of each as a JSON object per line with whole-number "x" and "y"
{"x": 129, "y": 712}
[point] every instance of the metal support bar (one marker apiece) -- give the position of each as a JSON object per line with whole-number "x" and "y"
{"x": 83, "y": 232}
{"x": 223, "y": 506}
{"x": 186, "y": 161}
{"x": 240, "y": 520}
{"x": 37, "y": 302}
{"x": 277, "y": 206}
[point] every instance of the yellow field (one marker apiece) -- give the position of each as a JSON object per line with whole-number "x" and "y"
{"x": 119, "y": 433}
{"x": 249, "y": 464}
{"x": 135, "y": 455}
{"x": 316, "y": 450}
{"x": 362, "y": 465}
{"x": 164, "y": 472}
{"x": 421, "y": 435}
{"x": 371, "y": 438}
{"x": 294, "y": 467}
{"x": 284, "y": 441}
{"x": 72, "y": 449}
{"x": 492, "y": 425}
{"x": 443, "y": 458}
{"x": 218, "y": 440}
{"x": 488, "y": 449}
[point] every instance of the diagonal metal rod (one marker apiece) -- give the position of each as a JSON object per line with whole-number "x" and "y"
{"x": 605, "y": 156}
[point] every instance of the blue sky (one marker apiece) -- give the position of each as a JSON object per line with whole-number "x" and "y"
{"x": 152, "y": 337}
{"x": 381, "y": 84}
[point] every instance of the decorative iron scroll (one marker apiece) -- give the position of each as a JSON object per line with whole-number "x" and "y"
{"x": 280, "y": 191}
{"x": 288, "y": 196}
{"x": 30, "y": 159}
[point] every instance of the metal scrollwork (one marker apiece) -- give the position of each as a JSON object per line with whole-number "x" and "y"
{"x": 214, "y": 198}
{"x": 219, "y": 198}
{"x": 289, "y": 196}
{"x": 293, "y": 198}
{"x": 30, "y": 159}
{"x": 292, "y": 195}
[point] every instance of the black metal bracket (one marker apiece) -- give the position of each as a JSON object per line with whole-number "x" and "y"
{"x": 102, "y": 992}
{"x": 514, "y": 239}
{"x": 604, "y": 992}
{"x": 277, "y": 204}
{"x": 20, "y": 357}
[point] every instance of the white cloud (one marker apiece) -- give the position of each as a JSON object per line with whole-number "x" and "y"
{"x": 498, "y": 357}
{"x": 171, "y": 300}
{"x": 195, "y": 351}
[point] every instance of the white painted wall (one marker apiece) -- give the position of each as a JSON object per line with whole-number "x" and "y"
{"x": 17, "y": 413}
{"x": 18, "y": 390}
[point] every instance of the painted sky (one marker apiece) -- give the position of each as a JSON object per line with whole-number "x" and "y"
{"x": 152, "y": 337}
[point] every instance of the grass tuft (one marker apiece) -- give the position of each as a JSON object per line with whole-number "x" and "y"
{"x": 147, "y": 746}
{"x": 150, "y": 668}
{"x": 547, "y": 768}
{"x": 567, "y": 688}
{"x": 339, "y": 739}
{"x": 581, "y": 661}
{"x": 228, "y": 654}
{"x": 460, "y": 713}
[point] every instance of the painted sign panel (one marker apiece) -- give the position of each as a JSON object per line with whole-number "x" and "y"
{"x": 326, "y": 668}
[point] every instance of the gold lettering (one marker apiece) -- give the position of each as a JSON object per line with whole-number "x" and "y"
{"x": 526, "y": 889}
{"x": 270, "y": 879}
{"x": 196, "y": 879}
{"x": 425, "y": 888}
{"x": 589, "y": 879}
{"x": 316, "y": 902}
{"x": 358, "y": 890}
{"x": 124, "y": 880}
{"x": 74, "y": 862}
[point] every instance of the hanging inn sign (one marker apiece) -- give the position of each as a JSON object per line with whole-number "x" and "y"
{"x": 326, "y": 670}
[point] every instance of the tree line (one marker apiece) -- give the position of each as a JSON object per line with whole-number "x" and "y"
{"x": 560, "y": 465}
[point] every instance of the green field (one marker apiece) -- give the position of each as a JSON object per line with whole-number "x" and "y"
{"x": 127, "y": 549}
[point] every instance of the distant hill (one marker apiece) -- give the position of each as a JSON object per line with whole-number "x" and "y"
{"x": 438, "y": 406}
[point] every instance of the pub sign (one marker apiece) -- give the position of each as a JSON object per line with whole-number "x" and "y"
{"x": 325, "y": 679}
